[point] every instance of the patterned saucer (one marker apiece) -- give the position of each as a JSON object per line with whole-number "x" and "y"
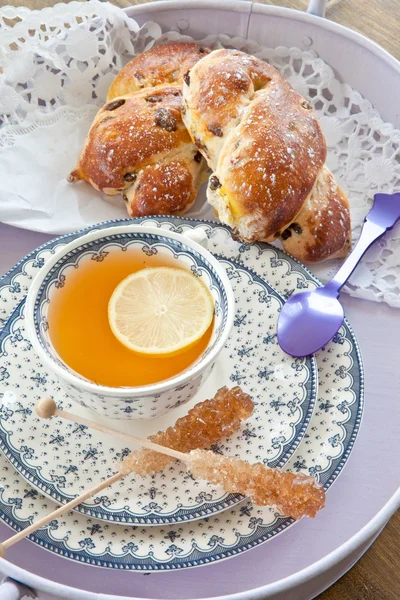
{"x": 323, "y": 452}
{"x": 61, "y": 459}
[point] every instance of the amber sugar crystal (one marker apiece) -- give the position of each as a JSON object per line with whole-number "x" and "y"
{"x": 295, "y": 495}
{"x": 205, "y": 424}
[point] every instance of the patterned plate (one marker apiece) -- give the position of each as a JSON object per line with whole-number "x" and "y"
{"x": 323, "y": 452}
{"x": 62, "y": 459}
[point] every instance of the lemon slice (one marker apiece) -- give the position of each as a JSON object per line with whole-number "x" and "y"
{"x": 160, "y": 310}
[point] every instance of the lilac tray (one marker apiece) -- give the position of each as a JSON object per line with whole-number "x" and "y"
{"x": 306, "y": 559}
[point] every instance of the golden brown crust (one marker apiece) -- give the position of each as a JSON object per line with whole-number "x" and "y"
{"x": 165, "y": 64}
{"x": 138, "y": 145}
{"x": 322, "y": 229}
{"x": 130, "y": 132}
{"x": 271, "y": 163}
{"x": 219, "y": 87}
{"x": 162, "y": 189}
{"x": 271, "y": 147}
{"x": 267, "y": 150}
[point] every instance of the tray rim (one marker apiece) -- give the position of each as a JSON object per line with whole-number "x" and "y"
{"x": 380, "y": 519}
{"x": 280, "y": 11}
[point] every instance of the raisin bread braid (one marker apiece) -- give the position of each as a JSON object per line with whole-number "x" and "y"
{"x": 267, "y": 152}
{"x": 161, "y": 65}
{"x": 138, "y": 145}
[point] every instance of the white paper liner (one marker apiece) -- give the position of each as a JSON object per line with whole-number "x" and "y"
{"x": 57, "y": 77}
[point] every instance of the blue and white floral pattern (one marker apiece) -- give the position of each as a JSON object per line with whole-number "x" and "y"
{"x": 66, "y": 457}
{"x": 125, "y": 405}
{"x": 338, "y": 413}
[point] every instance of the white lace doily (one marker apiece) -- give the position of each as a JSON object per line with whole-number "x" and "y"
{"x": 57, "y": 65}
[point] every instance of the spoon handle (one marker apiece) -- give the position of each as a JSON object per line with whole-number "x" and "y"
{"x": 382, "y": 217}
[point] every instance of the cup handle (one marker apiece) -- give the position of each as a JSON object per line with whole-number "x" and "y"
{"x": 197, "y": 235}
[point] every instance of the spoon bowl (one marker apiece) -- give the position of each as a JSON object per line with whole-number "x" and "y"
{"x": 308, "y": 321}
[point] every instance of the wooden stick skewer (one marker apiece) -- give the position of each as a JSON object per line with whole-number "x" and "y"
{"x": 57, "y": 513}
{"x": 46, "y": 408}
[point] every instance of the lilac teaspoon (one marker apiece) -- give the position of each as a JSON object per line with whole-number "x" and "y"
{"x": 309, "y": 320}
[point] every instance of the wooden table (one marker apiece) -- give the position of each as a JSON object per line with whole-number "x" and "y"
{"x": 377, "y": 575}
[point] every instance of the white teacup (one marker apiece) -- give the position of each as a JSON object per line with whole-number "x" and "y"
{"x": 130, "y": 402}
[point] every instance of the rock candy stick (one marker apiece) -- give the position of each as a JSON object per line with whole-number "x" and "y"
{"x": 205, "y": 424}
{"x": 295, "y": 495}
